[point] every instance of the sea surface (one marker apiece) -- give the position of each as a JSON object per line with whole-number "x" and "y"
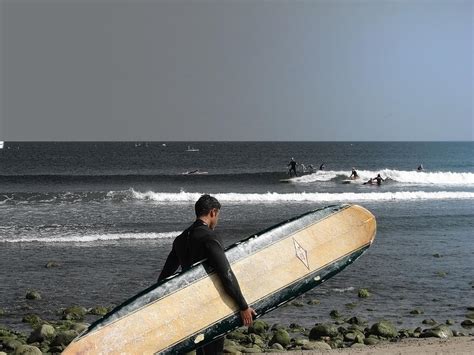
{"x": 108, "y": 213}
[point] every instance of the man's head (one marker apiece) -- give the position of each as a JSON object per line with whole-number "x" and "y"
{"x": 207, "y": 209}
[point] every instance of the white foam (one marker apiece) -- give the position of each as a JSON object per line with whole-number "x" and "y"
{"x": 342, "y": 290}
{"x": 272, "y": 197}
{"x": 401, "y": 176}
{"x": 91, "y": 237}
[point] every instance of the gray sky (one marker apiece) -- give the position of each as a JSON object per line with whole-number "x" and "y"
{"x": 236, "y": 70}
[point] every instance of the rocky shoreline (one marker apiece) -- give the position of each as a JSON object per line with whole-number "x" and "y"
{"x": 354, "y": 332}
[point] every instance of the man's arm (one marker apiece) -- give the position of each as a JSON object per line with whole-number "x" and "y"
{"x": 171, "y": 265}
{"x": 218, "y": 260}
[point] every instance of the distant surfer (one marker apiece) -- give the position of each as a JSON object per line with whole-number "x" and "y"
{"x": 420, "y": 167}
{"x": 369, "y": 182}
{"x": 199, "y": 242}
{"x": 292, "y": 164}
{"x": 322, "y": 166}
{"x": 378, "y": 179}
{"x": 310, "y": 168}
{"x": 354, "y": 174}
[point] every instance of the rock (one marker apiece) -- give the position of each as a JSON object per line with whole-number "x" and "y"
{"x": 228, "y": 342}
{"x": 336, "y": 343}
{"x": 301, "y": 341}
{"x": 364, "y": 293}
{"x": 74, "y": 313}
{"x": 2, "y": 312}
{"x": 356, "y": 320}
{"x": 297, "y": 303}
{"x": 282, "y": 337}
{"x": 384, "y": 328}
{"x": 441, "y": 274}
{"x": 322, "y": 330}
{"x": 417, "y": 311}
{"x": 335, "y": 314}
{"x": 56, "y": 349}
{"x": 258, "y": 327}
{"x": 314, "y": 301}
{"x": 449, "y": 322}
{"x": 33, "y": 295}
{"x": 277, "y": 346}
{"x": 27, "y": 350}
{"x": 79, "y": 327}
{"x": 45, "y": 332}
{"x": 351, "y": 305}
{"x": 98, "y": 311}
{"x": 296, "y": 328}
{"x": 429, "y": 321}
{"x": 358, "y": 345}
{"x": 468, "y": 323}
{"x": 254, "y": 349}
{"x": 236, "y": 335}
{"x": 232, "y": 350}
{"x": 257, "y": 340}
{"x": 277, "y": 326}
{"x": 33, "y": 320}
{"x": 470, "y": 308}
{"x": 437, "y": 255}
{"x": 64, "y": 338}
{"x": 470, "y": 315}
{"x": 371, "y": 341}
{"x": 441, "y": 331}
{"x": 316, "y": 345}
{"x": 355, "y": 336}
{"x": 51, "y": 264}
{"x": 10, "y": 344}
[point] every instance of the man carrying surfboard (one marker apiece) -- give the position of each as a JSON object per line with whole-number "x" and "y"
{"x": 199, "y": 242}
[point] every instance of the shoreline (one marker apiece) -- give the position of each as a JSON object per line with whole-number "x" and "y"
{"x": 427, "y": 346}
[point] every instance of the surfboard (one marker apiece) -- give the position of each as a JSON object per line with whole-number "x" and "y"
{"x": 190, "y": 309}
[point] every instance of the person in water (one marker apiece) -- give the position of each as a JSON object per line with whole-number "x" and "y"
{"x": 322, "y": 166}
{"x": 199, "y": 242}
{"x": 369, "y": 182}
{"x": 379, "y": 179}
{"x": 354, "y": 174}
{"x": 292, "y": 165}
{"x": 310, "y": 168}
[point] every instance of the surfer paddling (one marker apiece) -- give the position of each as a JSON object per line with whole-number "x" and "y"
{"x": 199, "y": 242}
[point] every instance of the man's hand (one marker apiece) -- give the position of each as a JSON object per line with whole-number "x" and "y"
{"x": 247, "y": 316}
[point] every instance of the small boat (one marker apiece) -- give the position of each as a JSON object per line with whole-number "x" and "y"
{"x": 2, "y": 143}
{"x": 191, "y": 149}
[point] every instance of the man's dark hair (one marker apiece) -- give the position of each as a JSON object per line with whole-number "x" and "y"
{"x": 205, "y": 204}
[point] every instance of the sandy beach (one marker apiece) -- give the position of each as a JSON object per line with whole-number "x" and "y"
{"x": 452, "y": 346}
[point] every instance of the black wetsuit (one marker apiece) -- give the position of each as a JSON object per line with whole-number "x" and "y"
{"x": 379, "y": 180}
{"x": 196, "y": 243}
{"x": 292, "y": 166}
{"x": 354, "y": 173}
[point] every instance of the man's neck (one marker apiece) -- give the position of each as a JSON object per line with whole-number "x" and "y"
{"x": 204, "y": 220}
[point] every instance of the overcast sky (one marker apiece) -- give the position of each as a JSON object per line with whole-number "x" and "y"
{"x": 236, "y": 70}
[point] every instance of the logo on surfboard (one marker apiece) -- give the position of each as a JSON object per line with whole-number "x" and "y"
{"x": 301, "y": 253}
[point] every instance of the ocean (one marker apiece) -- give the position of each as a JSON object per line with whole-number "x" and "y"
{"x": 107, "y": 213}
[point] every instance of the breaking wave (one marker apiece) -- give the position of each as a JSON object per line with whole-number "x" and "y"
{"x": 90, "y": 238}
{"x": 273, "y": 197}
{"x": 400, "y": 176}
